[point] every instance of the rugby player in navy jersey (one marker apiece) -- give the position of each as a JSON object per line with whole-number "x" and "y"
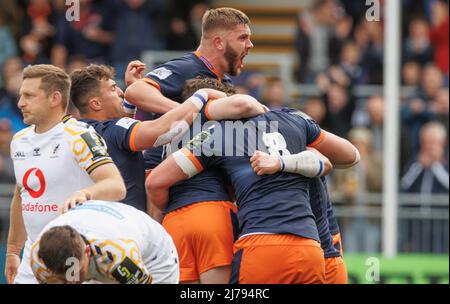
{"x": 99, "y": 102}
{"x": 335, "y": 269}
{"x": 279, "y": 241}
{"x": 224, "y": 43}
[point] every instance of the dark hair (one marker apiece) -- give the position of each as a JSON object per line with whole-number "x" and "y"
{"x": 194, "y": 84}
{"x": 59, "y": 244}
{"x": 86, "y": 84}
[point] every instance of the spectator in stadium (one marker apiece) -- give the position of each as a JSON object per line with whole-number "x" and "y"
{"x": 89, "y": 37}
{"x": 426, "y": 175}
{"x": 58, "y": 164}
{"x": 439, "y": 34}
{"x": 350, "y": 59}
{"x": 137, "y": 26}
{"x": 370, "y": 39}
{"x": 315, "y": 108}
{"x": 38, "y": 32}
{"x": 274, "y": 94}
{"x": 416, "y": 110}
{"x": 440, "y": 107}
{"x": 417, "y": 45}
{"x": 6, "y": 163}
{"x": 361, "y": 233}
{"x": 7, "y": 48}
{"x": 314, "y": 34}
{"x": 411, "y": 71}
{"x": 340, "y": 106}
{"x": 12, "y": 73}
{"x": 185, "y": 28}
{"x": 372, "y": 118}
{"x": 428, "y": 171}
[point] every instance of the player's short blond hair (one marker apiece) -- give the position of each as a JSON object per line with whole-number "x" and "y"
{"x": 53, "y": 79}
{"x": 226, "y": 18}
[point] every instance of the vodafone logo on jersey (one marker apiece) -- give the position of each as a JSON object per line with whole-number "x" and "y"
{"x": 30, "y": 177}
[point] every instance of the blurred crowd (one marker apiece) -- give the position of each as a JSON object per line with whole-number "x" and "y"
{"x": 338, "y": 48}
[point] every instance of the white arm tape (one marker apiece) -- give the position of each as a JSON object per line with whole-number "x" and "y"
{"x": 128, "y": 107}
{"x": 345, "y": 166}
{"x": 199, "y": 99}
{"x": 185, "y": 164}
{"x": 305, "y": 163}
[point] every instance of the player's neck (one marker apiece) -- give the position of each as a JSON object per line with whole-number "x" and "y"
{"x": 93, "y": 115}
{"x": 212, "y": 57}
{"x": 49, "y": 124}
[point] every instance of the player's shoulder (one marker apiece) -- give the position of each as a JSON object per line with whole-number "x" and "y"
{"x": 21, "y": 133}
{"x": 184, "y": 65}
{"x": 74, "y": 127}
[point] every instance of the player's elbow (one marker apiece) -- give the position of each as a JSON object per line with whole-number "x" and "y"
{"x": 248, "y": 106}
{"x": 351, "y": 158}
{"x": 132, "y": 92}
{"x": 153, "y": 183}
{"x": 119, "y": 190}
{"x": 327, "y": 166}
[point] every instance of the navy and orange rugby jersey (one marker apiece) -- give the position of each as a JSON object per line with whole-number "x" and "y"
{"x": 276, "y": 203}
{"x": 119, "y": 135}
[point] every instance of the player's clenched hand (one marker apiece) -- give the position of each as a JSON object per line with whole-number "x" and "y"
{"x": 77, "y": 198}
{"x": 263, "y": 163}
{"x": 11, "y": 266}
{"x": 134, "y": 72}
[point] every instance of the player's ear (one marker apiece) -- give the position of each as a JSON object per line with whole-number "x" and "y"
{"x": 95, "y": 104}
{"x": 55, "y": 98}
{"x": 219, "y": 42}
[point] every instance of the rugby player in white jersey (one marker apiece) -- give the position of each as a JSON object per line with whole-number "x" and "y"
{"x": 105, "y": 242}
{"x": 58, "y": 163}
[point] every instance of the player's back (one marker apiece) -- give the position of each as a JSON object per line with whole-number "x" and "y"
{"x": 111, "y": 226}
{"x": 277, "y": 203}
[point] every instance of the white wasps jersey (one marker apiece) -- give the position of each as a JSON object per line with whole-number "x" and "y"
{"x": 51, "y": 166}
{"x": 127, "y": 246}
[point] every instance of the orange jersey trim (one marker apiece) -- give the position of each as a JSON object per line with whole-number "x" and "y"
{"x": 208, "y": 64}
{"x": 318, "y": 139}
{"x": 193, "y": 159}
{"x": 133, "y": 137}
{"x": 151, "y": 82}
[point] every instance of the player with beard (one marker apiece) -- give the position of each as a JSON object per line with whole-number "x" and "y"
{"x": 224, "y": 43}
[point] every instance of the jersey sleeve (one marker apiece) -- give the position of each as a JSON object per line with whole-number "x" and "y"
{"x": 168, "y": 79}
{"x": 88, "y": 147}
{"x": 124, "y": 133}
{"x": 120, "y": 260}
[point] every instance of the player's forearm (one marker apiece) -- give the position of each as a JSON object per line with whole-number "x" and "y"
{"x": 17, "y": 234}
{"x": 328, "y": 166}
{"x": 341, "y": 153}
{"x": 147, "y": 98}
{"x": 234, "y": 107}
{"x": 108, "y": 184}
{"x": 171, "y": 124}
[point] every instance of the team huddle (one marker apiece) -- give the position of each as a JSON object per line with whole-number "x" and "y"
{"x": 104, "y": 198}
